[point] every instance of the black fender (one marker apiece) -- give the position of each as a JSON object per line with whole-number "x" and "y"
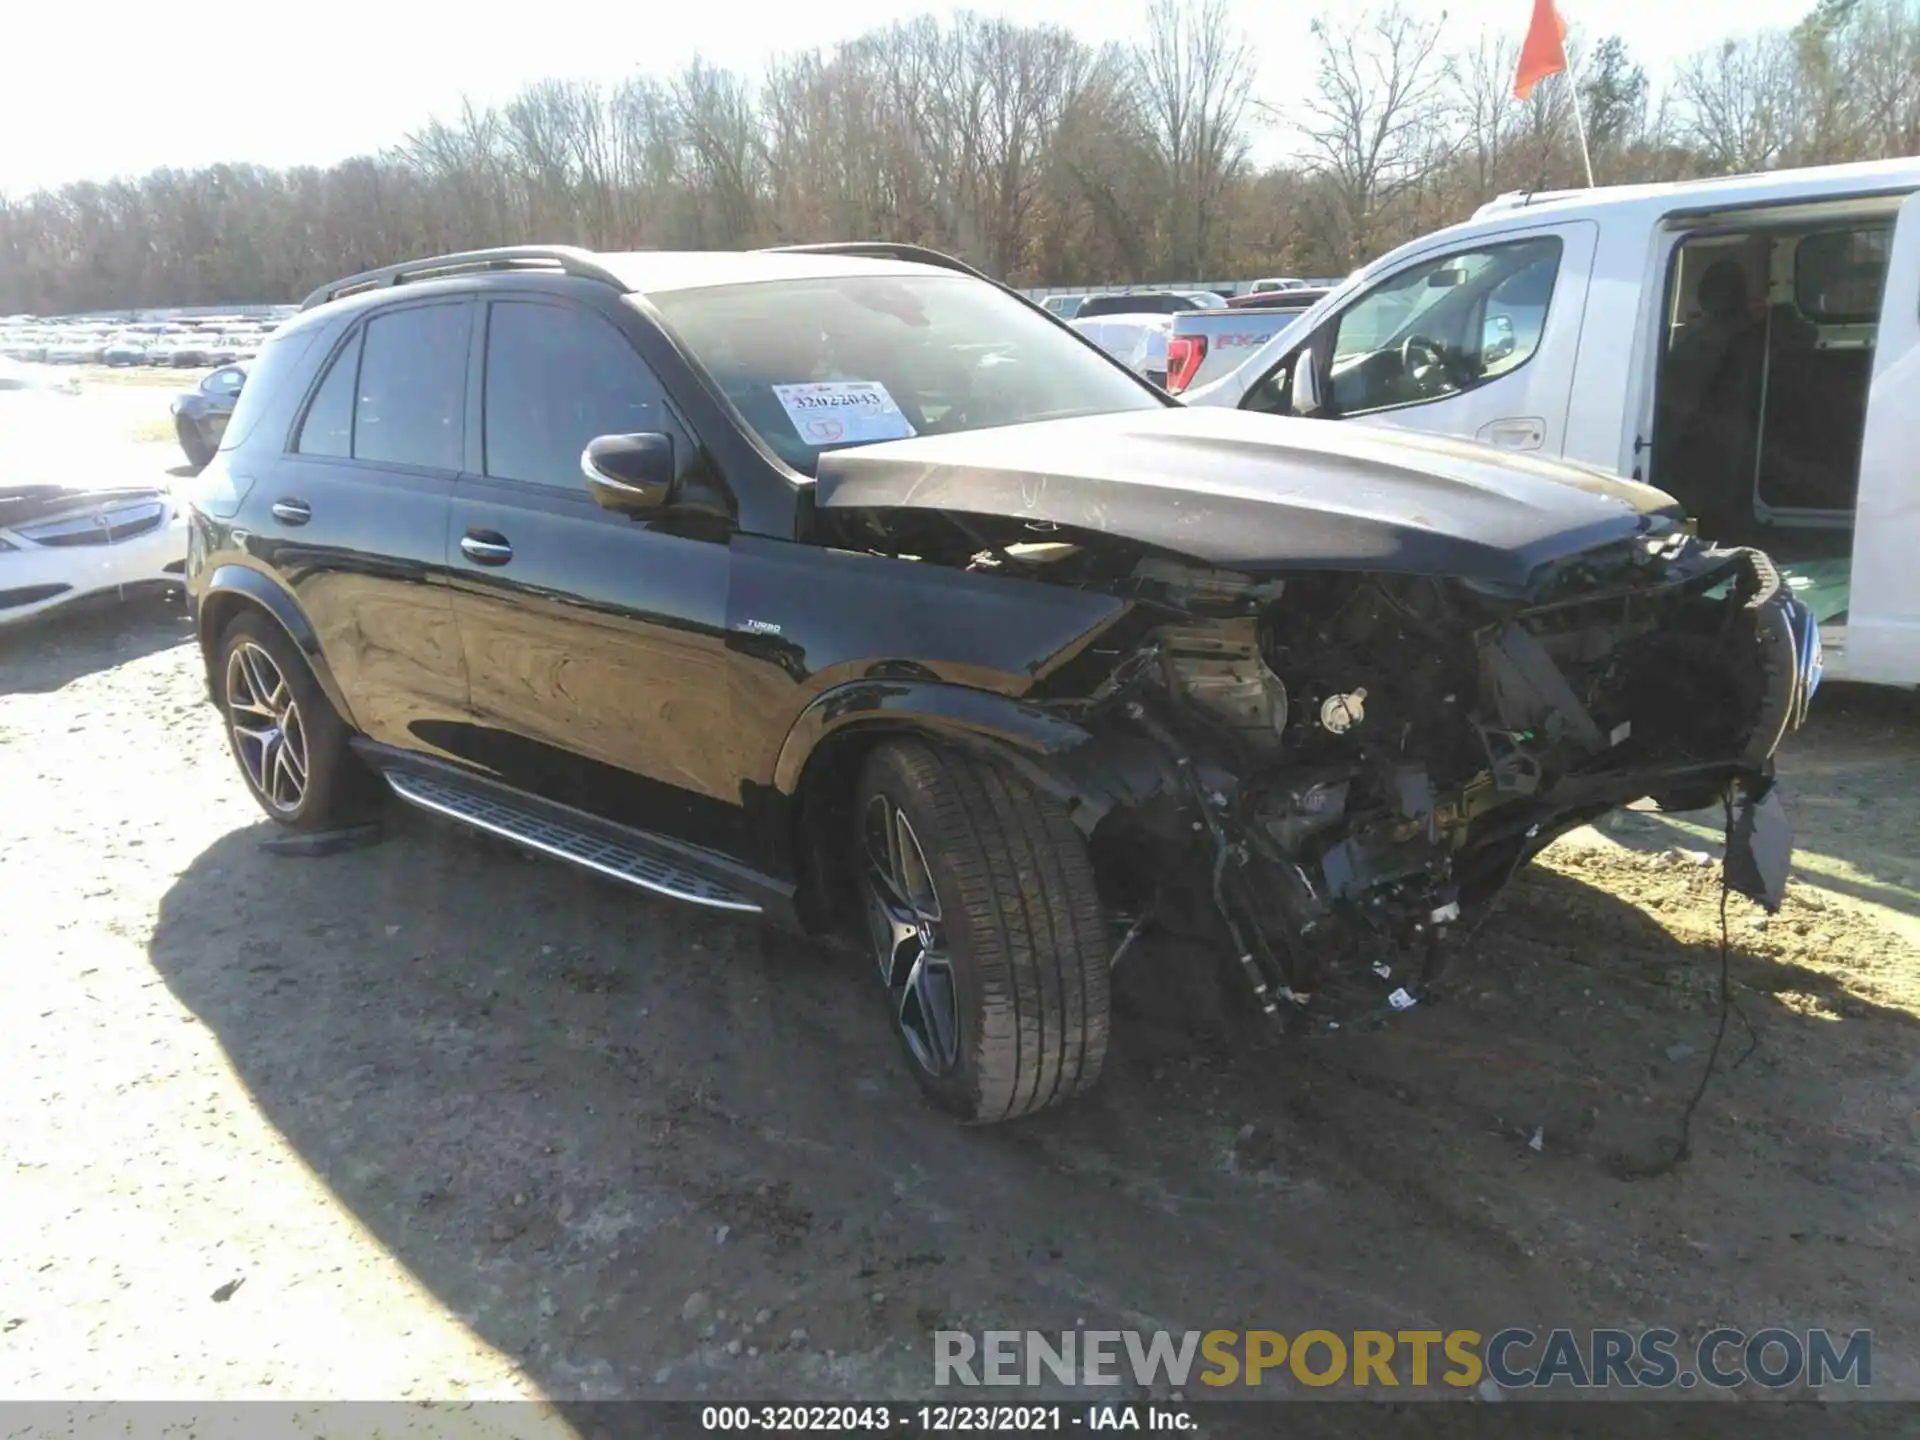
{"x": 231, "y": 585}
{"x": 1089, "y": 773}
{"x": 811, "y": 788}
{"x": 953, "y": 711}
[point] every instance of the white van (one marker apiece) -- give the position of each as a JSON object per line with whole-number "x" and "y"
{"x": 1750, "y": 345}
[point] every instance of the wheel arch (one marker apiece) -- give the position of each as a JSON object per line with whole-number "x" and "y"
{"x": 827, "y": 746}
{"x": 232, "y": 590}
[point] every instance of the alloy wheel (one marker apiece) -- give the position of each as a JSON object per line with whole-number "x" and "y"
{"x": 267, "y": 731}
{"x": 910, "y": 940}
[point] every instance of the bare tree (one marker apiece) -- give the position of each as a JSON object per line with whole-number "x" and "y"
{"x": 1482, "y": 82}
{"x": 1195, "y": 76}
{"x": 721, "y": 138}
{"x": 1375, "y": 122}
{"x": 1743, "y": 102}
{"x": 1885, "y": 66}
{"x": 1613, "y": 100}
{"x": 1017, "y": 146}
{"x": 1026, "y": 79}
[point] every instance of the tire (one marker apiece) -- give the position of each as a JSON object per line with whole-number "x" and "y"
{"x": 199, "y": 454}
{"x": 290, "y": 743}
{"x": 991, "y": 876}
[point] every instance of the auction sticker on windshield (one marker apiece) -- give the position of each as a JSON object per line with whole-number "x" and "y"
{"x": 840, "y": 412}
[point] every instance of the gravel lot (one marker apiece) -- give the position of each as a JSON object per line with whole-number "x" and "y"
{"x": 432, "y": 1119}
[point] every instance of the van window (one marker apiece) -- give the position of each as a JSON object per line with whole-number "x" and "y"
{"x": 1443, "y": 326}
{"x": 1760, "y": 406}
{"x": 1839, "y": 275}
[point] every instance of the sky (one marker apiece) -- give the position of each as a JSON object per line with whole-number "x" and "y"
{"x": 121, "y": 87}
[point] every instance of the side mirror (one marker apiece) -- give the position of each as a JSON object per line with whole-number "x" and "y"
{"x": 1497, "y": 339}
{"x": 629, "y": 474}
{"x": 1305, "y": 399}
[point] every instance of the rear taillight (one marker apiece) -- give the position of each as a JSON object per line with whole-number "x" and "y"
{"x": 1184, "y": 354}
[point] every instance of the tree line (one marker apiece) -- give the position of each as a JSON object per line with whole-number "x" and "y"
{"x": 1041, "y": 158}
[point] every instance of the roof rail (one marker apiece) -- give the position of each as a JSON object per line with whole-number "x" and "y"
{"x": 885, "y": 250}
{"x": 568, "y": 259}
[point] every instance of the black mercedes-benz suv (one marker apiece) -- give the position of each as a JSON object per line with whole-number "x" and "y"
{"x": 844, "y": 587}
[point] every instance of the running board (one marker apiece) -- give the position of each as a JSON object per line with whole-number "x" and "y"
{"x": 619, "y": 859}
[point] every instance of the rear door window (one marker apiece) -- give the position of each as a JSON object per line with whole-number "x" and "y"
{"x": 410, "y": 403}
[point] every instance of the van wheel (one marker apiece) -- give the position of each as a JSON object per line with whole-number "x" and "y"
{"x": 291, "y": 745}
{"x": 987, "y": 929}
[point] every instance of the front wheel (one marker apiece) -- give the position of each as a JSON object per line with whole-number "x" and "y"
{"x": 987, "y": 928}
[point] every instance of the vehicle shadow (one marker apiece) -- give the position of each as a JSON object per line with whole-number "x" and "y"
{"x": 650, "y": 1151}
{"x": 50, "y": 652}
{"x": 1850, "y": 781}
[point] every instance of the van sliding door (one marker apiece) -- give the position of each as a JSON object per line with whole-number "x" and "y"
{"x": 1882, "y": 640}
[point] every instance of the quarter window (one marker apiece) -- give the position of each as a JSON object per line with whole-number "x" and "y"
{"x": 409, "y": 402}
{"x": 556, "y": 378}
{"x": 328, "y": 428}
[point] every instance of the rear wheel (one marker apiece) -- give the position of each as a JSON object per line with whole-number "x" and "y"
{"x": 289, "y": 742}
{"x": 198, "y": 452}
{"x": 987, "y": 929}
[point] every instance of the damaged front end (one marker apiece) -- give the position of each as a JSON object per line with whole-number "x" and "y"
{"x": 1341, "y": 768}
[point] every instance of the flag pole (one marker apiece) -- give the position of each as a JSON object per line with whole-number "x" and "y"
{"x": 1580, "y": 124}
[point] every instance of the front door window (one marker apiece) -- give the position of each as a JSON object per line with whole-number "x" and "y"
{"x": 1442, "y": 327}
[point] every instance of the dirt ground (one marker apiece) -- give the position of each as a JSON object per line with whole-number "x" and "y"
{"x": 433, "y": 1119}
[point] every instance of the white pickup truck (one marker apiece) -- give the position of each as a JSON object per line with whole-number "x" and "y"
{"x": 1203, "y": 345}
{"x": 1750, "y": 345}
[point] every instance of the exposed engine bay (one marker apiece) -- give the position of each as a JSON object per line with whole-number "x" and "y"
{"x": 1340, "y": 769}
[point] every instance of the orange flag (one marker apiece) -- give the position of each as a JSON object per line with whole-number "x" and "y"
{"x": 1544, "y": 53}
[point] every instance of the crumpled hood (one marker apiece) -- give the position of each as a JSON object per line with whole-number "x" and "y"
{"x": 1253, "y": 492}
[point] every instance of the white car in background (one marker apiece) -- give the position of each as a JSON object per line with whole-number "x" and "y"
{"x": 1133, "y": 325}
{"x": 1138, "y": 342}
{"x": 70, "y": 528}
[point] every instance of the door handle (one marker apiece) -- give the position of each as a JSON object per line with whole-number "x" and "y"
{"x": 292, "y": 512}
{"x": 1519, "y": 433}
{"x": 486, "y": 547}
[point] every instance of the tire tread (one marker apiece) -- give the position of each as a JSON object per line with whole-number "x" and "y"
{"x": 1035, "y": 923}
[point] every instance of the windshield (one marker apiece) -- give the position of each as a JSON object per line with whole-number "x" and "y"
{"x": 814, "y": 365}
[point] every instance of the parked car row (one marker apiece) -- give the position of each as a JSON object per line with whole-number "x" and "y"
{"x": 183, "y": 350}
{"x": 172, "y": 344}
{"x": 1144, "y": 298}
